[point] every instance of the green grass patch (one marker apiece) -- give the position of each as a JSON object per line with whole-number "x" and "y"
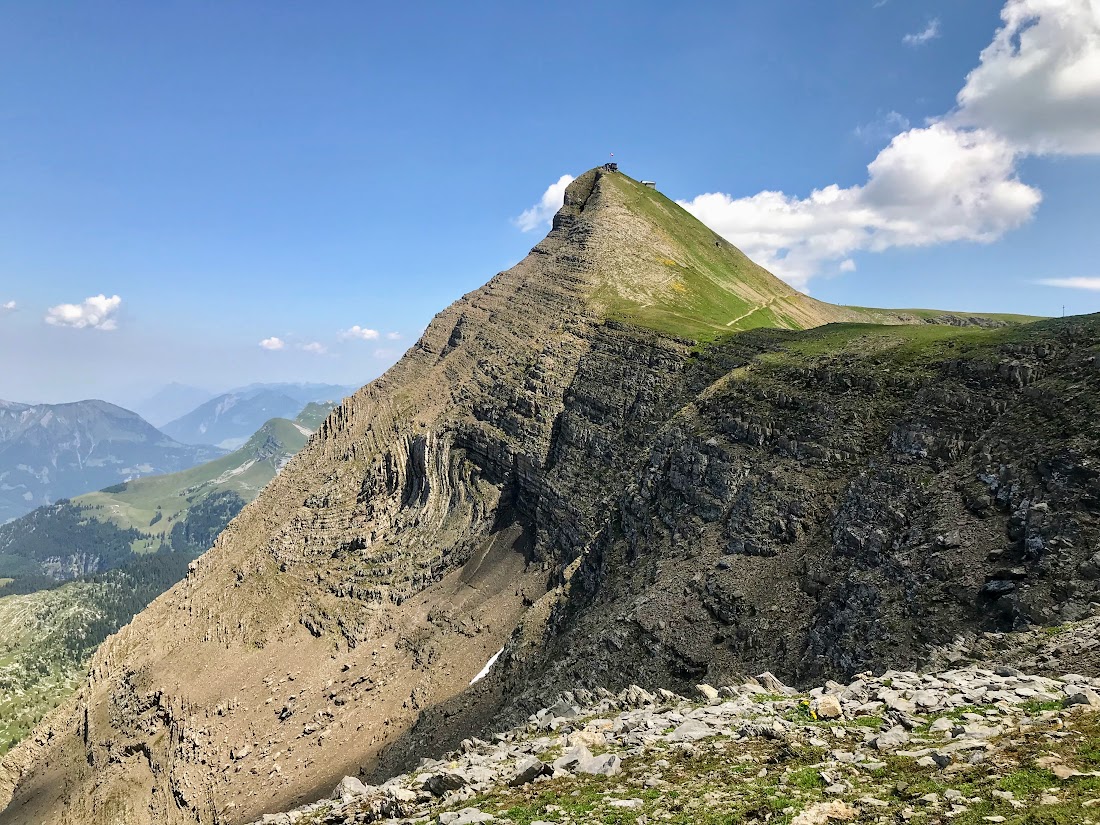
{"x": 806, "y": 778}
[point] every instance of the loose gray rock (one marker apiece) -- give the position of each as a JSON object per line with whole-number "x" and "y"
{"x": 349, "y": 788}
{"x": 708, "y": 692}
{"x": 607, "y": 764}
{"x": 467, "y": 816}
{"x": 441, "y": 783}
{"x": 828, "y": 707}
{"x": 690, "y": 731}
{"x": 1086, "y": 697}
{"x": 530, "y": 769}
{"x": 893, "y": 738}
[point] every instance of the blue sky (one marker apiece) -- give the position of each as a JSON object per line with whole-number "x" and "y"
{"x": 247, "y": 171}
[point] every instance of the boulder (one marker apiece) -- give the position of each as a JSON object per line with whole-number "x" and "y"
{"x": 769, "y": 682}
{"x": 607, "y": 764}
{"x": 828, "y": 707}
{"x": 588, "y": 738}
{"x": 707, "y": 692}
{"x": 893, "y": 738}
{"x": 690, "y": 730}
{"x": 1082, "y": 696}
{"x": 467, "y": 816}
{"x": 530, "y": 769}
{"x": 441, "y": 783}
{"x": 571, "y": 758}
{"x": 564, "y": 710}
{"x": 349, "y": 788}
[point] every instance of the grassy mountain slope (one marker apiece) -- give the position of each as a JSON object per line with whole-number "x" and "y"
{"x": 100, "y": 530}
{"x": 154, "y": 505}
{"x": 35, "y": 670}
{"x": 665, "y": 270}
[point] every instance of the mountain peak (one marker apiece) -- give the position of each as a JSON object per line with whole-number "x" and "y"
{"x": 530, "y": 478}
{"x": 651, "y": 263}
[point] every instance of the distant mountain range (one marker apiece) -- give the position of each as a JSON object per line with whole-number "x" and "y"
{"x": 54, "y": 451}
{"x": 228, "y": 420}
{"x": 177, "y": 512}
{"x": 169, "y": 403}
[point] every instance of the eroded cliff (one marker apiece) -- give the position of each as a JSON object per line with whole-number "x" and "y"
{"x": 551, "y": 471}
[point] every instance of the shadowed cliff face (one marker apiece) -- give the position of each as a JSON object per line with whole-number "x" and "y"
{"x": 550, "y": 472}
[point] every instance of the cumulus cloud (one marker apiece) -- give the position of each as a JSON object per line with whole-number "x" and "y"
{"x": 315, "y": 347}
{"x": 1036, "y": 90}
{"x": 273, "y": 343}
{"x": 393, "y": 336}
{"x": 929, "y": 32}
{"x": 1092, "y": 284}
{"x": 1038, "y": 82}
{"x": 97, "y": 312}
{"x": 929, "y": 186}
{"x": 8, "y": 306}
{"x": 847, "y": 265}
{"x": 358, "y": 332}
{"x": 540, "y": 214}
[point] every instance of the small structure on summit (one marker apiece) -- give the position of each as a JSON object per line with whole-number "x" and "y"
{"x": 611, "y": 167}
{"x": 652, "y": 184}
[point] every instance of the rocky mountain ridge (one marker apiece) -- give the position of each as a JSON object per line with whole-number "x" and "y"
{"x": 552, "y": 474}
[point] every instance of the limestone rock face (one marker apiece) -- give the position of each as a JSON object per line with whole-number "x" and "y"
{"x": 551, "y": 471}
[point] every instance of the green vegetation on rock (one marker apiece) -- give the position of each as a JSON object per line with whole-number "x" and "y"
{"x": 679, "y": 277}
{"x": 46, "y": 636}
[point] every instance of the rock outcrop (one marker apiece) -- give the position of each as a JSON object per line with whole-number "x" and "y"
{"x": 554, "y": 475}
{"x": 901, "y": 747}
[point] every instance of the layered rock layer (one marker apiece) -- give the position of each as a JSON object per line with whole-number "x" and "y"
{"x": 550, "y": 471}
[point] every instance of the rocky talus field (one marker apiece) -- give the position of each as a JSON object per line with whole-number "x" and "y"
{"x": 634, "y": 461}
{"x": 965, "y": 746}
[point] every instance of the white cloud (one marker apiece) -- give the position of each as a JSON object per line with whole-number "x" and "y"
{"x": 1092, "y": 284}
{"x": 8, "y": 306}
{"x": 273, "y": 343}
{"x": 315, "y": 347}
{"x": 1038, "y": 82}
{"x": 1035, "y": 91}
{"x": 393, "y": 336}
{"x": 550, "y": 202}
{"x": 97, "y": 312}
{"x": 358, "y": 332}
{"x": 847, "y": 265}
{"x": 930, "y": 32}
{"x": 929, "y": 186}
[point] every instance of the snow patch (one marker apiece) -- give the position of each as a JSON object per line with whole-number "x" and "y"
{"x": 485, "y": 670}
